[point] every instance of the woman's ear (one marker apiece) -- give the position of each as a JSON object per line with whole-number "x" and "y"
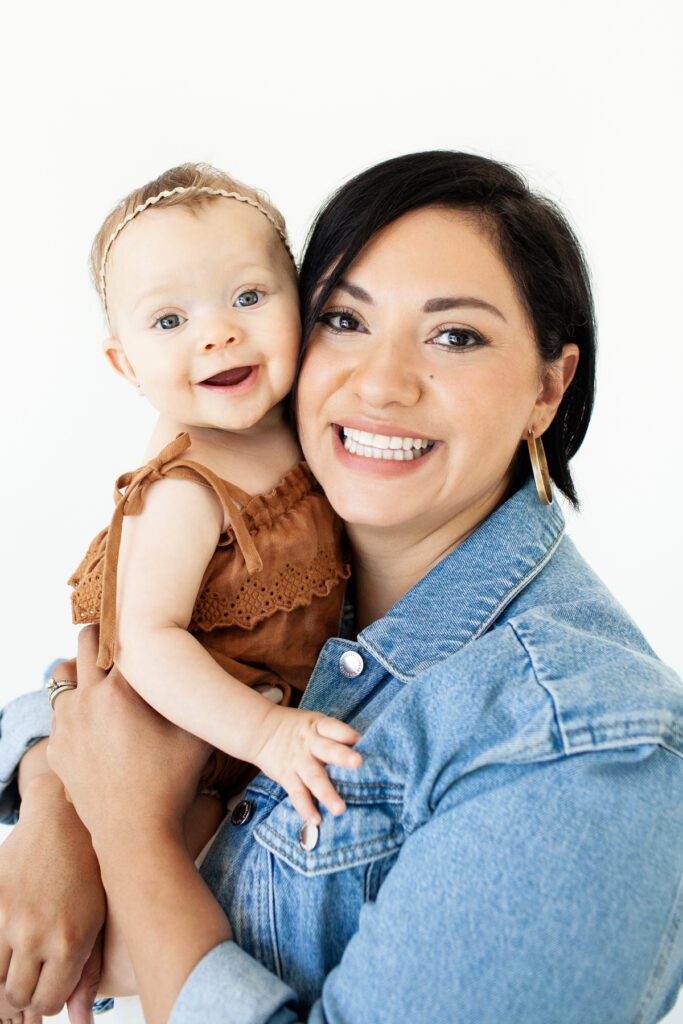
{"x": 113, "y": 350}
{"x": 557, "y": 376}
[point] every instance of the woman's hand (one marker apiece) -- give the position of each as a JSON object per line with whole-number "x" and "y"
{"x": 132, "y": 776}
{"x": 52, "y": 907}
{"x": 122, "y": 763}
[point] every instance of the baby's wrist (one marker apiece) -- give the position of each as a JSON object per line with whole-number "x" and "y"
{"x": 262, "y": 730}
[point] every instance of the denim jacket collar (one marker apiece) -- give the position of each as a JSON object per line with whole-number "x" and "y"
{"x": 469, "y": 588}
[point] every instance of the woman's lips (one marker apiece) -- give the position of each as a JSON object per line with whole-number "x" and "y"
{"x": 377, "y": 466}
{"x": 239, "y": 378}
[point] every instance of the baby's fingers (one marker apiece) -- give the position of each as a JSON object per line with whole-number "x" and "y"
{"x": 318, "y": 781}
{"x": 330, "y": 752}
{"x": 303, "y": 802}
{"x": 333, "y": 729}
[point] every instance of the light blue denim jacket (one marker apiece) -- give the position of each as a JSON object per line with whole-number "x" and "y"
{"x": 512, "y": 849}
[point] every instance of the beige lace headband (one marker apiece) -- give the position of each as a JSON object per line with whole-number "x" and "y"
{"x": 173, "y": 192}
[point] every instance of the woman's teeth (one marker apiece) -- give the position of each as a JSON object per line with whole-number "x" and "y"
{"x": 384, "y": 446}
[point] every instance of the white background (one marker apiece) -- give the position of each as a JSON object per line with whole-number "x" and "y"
{"x": 584, "y": 98}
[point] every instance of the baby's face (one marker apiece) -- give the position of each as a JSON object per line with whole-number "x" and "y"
{"x": 204, "y": 310}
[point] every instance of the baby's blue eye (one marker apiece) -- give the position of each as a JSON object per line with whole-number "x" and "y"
{"x": 249, "y": 298}
{"x": 169, "y": 321}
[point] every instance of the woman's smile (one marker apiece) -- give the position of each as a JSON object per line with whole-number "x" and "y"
{"x": 384, "y": 448}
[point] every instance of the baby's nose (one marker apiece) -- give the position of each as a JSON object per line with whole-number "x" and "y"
{"x": 212, "y": 343}
{"x": 219, "y": 337}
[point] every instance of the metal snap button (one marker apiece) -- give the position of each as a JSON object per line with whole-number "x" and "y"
{"x": 351, "y": 664}
{"x": 308, "y": 836}
{"x": 242, "y": 812}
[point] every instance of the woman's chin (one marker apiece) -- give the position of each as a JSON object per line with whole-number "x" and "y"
{"x": 369, "y": 507}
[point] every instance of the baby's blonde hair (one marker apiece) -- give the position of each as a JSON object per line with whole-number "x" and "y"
{"x": 196, "y": 182}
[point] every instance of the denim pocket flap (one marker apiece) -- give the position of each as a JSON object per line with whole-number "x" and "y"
{"x": 369, "y": 828}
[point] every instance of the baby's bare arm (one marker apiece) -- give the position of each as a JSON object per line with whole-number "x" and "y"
{"x": 164, "y": 555}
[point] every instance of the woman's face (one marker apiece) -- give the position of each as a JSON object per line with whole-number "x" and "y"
{"x": 422, "y": 377}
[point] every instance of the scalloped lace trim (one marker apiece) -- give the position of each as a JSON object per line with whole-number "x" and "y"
{"x": 291, "y": 587}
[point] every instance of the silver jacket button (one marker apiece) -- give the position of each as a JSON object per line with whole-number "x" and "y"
{"x": 308, "y": 836}
{"x": 351, "y": 664}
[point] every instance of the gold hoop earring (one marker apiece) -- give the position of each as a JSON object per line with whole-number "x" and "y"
{"x": 539, "y": 464}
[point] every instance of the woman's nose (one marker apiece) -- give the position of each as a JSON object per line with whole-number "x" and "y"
{"x": 385, "y": 376}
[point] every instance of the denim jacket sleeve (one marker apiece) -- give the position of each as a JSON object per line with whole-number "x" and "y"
{"x": 23, "y": 722}
{"x": 516, "y": 881}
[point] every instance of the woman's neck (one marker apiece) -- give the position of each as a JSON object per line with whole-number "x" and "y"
{"x": 382, "y": 577}
{"x": 387, "y": 562}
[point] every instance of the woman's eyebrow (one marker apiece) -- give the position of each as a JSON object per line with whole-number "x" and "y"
{"x": 354, "y": 291}
{"x": 455, "y": 302}
{"x": 437, "y": 305}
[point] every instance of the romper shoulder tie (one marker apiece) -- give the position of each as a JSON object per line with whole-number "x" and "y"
{"x": 129, "y": 496}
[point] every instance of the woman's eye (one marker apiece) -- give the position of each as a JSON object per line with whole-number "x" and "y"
{"x": 457, "y": 338}
{"x": 249, "y": 298}
{"x": 169, "y": 321}
{"x": 340, "y": 321}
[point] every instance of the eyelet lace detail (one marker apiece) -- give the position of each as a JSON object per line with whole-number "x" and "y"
{"x": 293, "y": 586}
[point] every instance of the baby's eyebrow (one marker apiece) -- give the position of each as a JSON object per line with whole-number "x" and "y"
{"x": 147, "y": 295}
{"x": 163, "y": 288}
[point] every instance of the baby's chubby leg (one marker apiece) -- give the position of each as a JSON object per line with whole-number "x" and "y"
{"x": 118, "y": 977}
{"x": 201, "y": 822}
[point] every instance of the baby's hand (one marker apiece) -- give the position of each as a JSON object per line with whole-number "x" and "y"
{"x": 297, "y": 746}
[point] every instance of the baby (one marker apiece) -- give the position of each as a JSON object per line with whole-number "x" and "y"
{"x": 221, "y": 574}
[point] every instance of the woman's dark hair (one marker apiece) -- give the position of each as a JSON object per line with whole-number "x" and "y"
{"x": 537, "y": 244}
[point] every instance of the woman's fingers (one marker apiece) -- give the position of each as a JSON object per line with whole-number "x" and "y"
{"x": 30, "y": 1017}
{"x": 88, "y": 643}
{"x": 22, "y": 978}
{"x": 57, "y": 980}
{"x": 65, "y": 671}
{"x": 333, "y": 729}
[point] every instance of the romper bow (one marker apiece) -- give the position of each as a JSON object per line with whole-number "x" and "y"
{"x": 129, "y": 495}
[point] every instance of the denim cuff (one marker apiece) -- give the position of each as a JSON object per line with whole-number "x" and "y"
{"x": 23, "y": 722}
{"x": 228, "y": 986}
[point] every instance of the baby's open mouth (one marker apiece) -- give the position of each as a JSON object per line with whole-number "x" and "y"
{"x": 228, "y": 378}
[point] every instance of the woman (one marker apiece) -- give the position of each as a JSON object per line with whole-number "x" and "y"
{"x": 512, "y": 846}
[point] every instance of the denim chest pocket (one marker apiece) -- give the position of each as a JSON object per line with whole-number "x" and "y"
{"x": 369, "y": 831}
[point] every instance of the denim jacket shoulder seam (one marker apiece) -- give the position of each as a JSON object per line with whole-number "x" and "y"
{"x": 566, "y": 747}
{"x": 606, "y": 733}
